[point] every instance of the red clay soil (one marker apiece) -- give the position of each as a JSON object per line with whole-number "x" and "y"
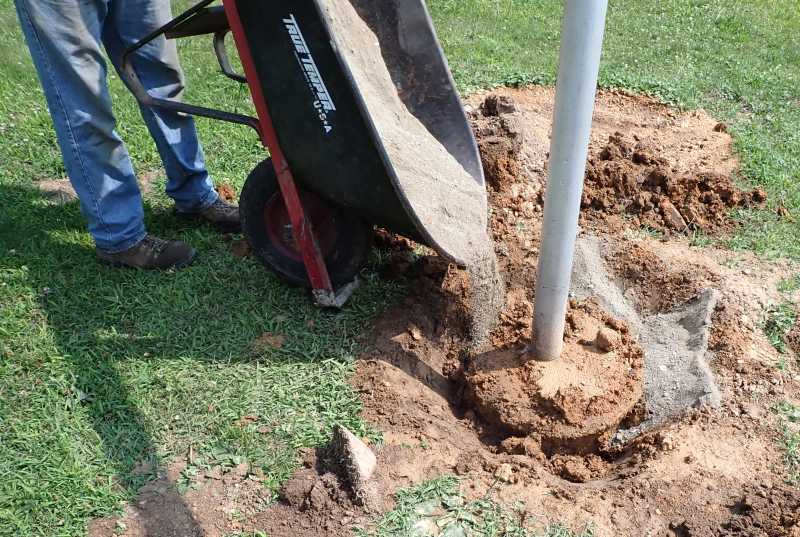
{"x": 671, "y": 173}
{"x": 793, "y": 337}
{"x": 442, "y": 411}
{"x": 629, "y": 178}
{"x": 569, "y": 406}
{"x": 480, "y": 417}
{"x": 656, "y": 287}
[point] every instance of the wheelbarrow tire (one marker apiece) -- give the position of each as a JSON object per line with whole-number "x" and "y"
{"x": 345, "y": 239}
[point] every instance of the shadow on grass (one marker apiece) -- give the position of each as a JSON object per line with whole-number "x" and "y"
{"x": 70, "y": 287}
{"x": 165, "y": 360}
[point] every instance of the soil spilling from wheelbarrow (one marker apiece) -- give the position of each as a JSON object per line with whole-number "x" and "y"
{"x": 445, "y": 200}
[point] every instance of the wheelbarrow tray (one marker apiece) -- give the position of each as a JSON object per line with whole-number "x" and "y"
{"x": 321, "y": 117}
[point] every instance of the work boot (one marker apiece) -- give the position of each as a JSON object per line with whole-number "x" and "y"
{"x": 221, "y": 214}
{"x": 151, "y": 253}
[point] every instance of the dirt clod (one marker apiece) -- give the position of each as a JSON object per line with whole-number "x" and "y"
{"x": 629, "y": 177}
{"x": 607, "y": 339}
{"x": 500, "y": 141}
{"x": 226, "y": 192}
{"x": 240, "y": 248}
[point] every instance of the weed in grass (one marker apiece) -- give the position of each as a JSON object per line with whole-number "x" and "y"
{"x": 437, "y": 507}
{"x": 698, "y": 239}
{"x": 790, "y": 284}
{"x": 780, "y": 320}
{"x": 789, "y": 416}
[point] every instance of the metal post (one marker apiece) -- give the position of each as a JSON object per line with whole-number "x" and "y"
{"x": 581, "y": 43}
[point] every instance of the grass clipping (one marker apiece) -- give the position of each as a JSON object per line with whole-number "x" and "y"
{"x": 444, "y": 198}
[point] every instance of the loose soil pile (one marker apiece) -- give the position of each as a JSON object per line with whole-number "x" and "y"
{"x": 670, "y": 172}
{"x": 572, "y": 405}
{"x": 628, "y": 177}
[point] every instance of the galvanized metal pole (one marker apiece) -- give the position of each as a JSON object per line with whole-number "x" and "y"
{"x": 581, "y": 43}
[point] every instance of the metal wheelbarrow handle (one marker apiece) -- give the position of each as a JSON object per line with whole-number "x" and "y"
{"x": 197, "y": 20}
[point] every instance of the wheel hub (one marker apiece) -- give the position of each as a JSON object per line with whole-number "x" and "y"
{"x": 279, "y": 226}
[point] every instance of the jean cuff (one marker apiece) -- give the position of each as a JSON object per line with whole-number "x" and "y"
{"x": 207, "y": 201}
{"x": 125, "y": 245}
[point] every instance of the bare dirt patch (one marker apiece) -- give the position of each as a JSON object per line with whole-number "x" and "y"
{"x": 445, "y": 411}
{"x": 544, "y": 435}
{"x": 218, "y": 503}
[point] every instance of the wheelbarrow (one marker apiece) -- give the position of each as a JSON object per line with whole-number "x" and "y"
{"x": 310, "y": 210}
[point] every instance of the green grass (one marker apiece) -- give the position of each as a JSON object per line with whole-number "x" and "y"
{"x": 779, "y": 322}
{"x": 104, "y": 370}
{"x": 790, "y": 284}
{"x": 789, "y": 416}
{"x": 439, "y": 504}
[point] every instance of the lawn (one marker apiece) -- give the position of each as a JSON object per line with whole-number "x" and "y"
{"x": 105, "y": 370}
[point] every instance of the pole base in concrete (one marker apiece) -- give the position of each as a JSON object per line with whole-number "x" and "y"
{"x": 572, "y": 405}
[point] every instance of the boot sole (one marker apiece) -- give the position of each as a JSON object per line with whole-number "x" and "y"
{"x": 177, "y": 266}
{"x": 223, "y": 227}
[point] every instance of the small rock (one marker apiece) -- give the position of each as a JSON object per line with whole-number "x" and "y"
{"x": 607, "y": 340}
{"x": 358, "y": 459}
{"x": 427, "y": 508}
{"x": 416, "y": 333}
{"x": 454, "y": 530}
{"x": 425, "y": 527}
{"x": 496, "y": 105}
{"x": 672, "y": 217}
{"x": 505, "y": 473}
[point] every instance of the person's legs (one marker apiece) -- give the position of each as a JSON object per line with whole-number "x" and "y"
{"x": 64, "y": 40}
{"x": 157, "y": 67}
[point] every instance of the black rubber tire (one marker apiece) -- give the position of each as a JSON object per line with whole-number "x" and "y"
{"x": 345, "y": 258}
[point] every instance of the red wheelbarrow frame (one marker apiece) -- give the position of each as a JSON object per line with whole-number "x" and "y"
{"x": 200, "y": 20}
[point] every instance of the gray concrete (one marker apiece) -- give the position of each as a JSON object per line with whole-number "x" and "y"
{"x": 675, "y": 343}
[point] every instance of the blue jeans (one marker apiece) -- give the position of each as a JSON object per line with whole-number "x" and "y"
{"x": 65, "y": 38}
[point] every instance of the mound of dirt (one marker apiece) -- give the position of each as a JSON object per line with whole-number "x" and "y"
{"x": 670, "y": 172}
{"x": 569, "y": 406}
{"x": 500, "y": 141}
{"x": 629, "y": 177}
{"x": 334, "y": 491}
{"x": 542, "y": 430}
{"x": 765, "y": 510}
